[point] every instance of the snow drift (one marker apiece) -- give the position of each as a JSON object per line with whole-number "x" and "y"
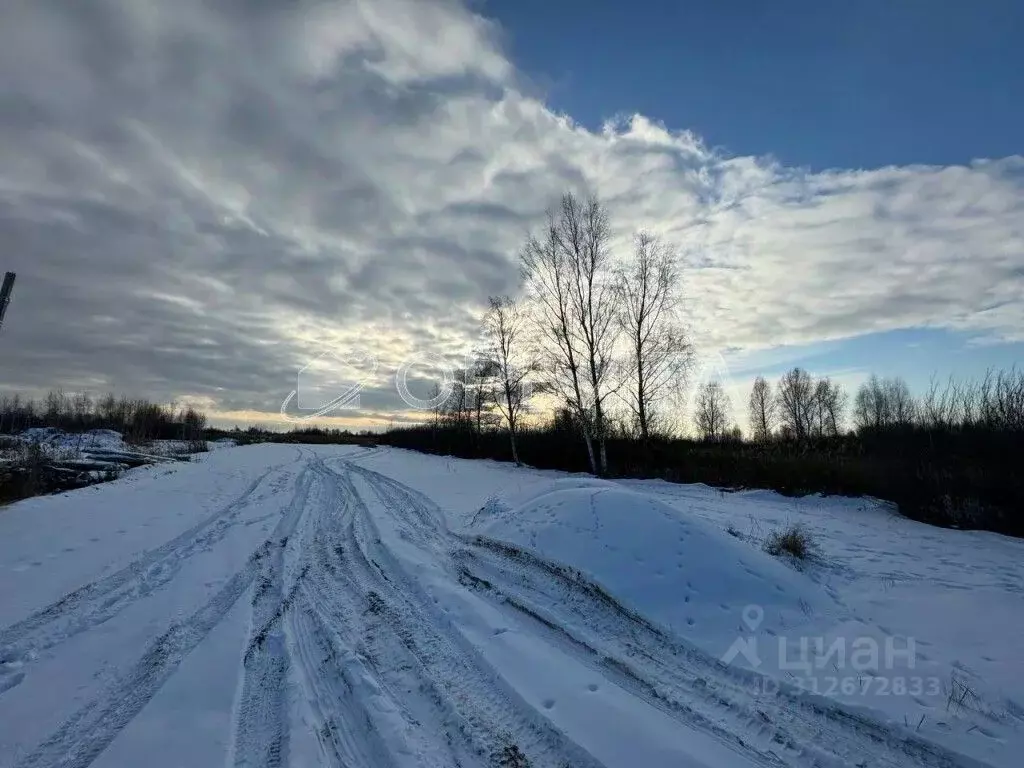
{"x": 677, "y": 570}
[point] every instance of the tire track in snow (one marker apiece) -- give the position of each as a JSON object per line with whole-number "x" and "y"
{"x": 783, "y": 725}
{"x": 331, "y": 673}
{"x": 468, "y": 694}
{"x": 297, "y": 627}
{"x": 91, "y": 605}
{"x": 84, "y": 736}
{"x": 261, "y": 718}
{"x": 350, "y": 686}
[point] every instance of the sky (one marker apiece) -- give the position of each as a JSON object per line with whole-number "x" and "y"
{"x": 817, "y": 84}
{"x": 202, "y": 199}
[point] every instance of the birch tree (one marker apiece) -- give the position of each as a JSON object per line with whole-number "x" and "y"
{"x": 583, "y": 234}
{"x": 570, "y": 279}
{"x": 504, "y": 327}
{"x": 659, "y": 351}
{"x": 762, "y": 410}
{"x": 795, "y": 398}
{"x": 829, "y": 404}
{"x": 711, "y": 411}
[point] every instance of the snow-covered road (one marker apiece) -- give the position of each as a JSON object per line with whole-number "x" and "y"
{"x": 339, "y": 606}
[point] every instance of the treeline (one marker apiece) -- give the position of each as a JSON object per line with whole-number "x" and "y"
{"x": 299, "y": 435}
{"x": 801, "y": 407}
{"x": 137, "y": 420}
{"x": 949, "y": 457}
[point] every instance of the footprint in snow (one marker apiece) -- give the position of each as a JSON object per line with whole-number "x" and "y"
{"x": 549, "y": 703}
{"x": 500, "y": 631}
{"x": 592, "y": 687}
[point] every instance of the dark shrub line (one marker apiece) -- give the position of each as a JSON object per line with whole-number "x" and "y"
{"x": 965, "y": 478}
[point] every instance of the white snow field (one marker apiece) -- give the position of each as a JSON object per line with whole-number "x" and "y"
{"x": 279, "y": 605}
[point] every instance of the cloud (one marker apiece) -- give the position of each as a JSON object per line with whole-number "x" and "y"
{"x": 199, "y": 197}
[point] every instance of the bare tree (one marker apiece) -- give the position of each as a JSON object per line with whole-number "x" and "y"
{"x": 711, "y": 411}
{"x": 795, "y": 398}
{"x": 583, "y": 233}
{"x": 547, "y": 284}
{"x": 659, "y": 351}
{"x": 568, "y": 276}
{"x": 763, "y": 410}
{"x": 460, "y": 401}
{"x": 504, "y": 327}
{"x": 902, "y": 404}
{"x": 483, "y": 404}
{"x": 869, "y": 408}
{"x": 934, "y": 410}
{"x": 883, "y": 403}
{"x": 1009, "y": 400}
{"x": 829, "y": 404}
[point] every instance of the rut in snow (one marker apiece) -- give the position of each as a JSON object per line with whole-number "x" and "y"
{"x": 81, "y": 739}
{"x": 776, "y": 724}
{"x": 95, "y": 603}
{"x": 447, "y": 706}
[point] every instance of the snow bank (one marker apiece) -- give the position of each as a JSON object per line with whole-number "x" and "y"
{"x": 677, "y": 570}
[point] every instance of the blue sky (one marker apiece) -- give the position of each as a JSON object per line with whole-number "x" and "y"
{"x": 820, "y": 83}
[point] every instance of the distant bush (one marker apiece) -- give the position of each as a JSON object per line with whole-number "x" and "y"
{"x": 198, "y": 446}
{"x": 793, "y": 541}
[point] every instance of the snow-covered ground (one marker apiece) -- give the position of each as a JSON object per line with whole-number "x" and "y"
{"x": 97, "y": 449}
{"x": 332, "y": 605}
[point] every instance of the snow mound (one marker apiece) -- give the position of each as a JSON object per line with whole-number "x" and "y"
{"x": 677, "y": 570}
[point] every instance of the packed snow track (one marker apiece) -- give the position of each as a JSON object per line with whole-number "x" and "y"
{"x": 300, "y": 606}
